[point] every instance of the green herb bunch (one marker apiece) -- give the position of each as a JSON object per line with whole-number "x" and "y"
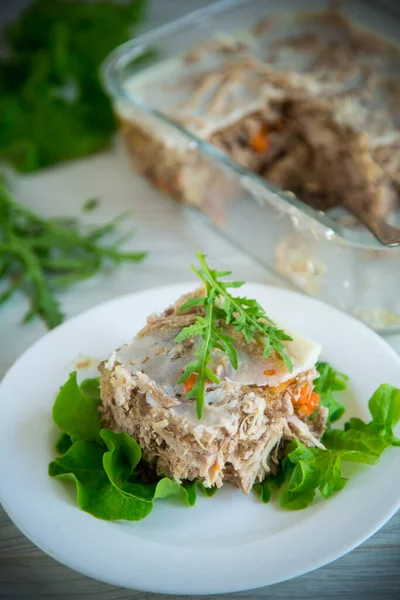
{"x": 40, "y": 256}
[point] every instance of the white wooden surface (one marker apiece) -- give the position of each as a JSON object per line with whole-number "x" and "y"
{"x": 171, "y": 236}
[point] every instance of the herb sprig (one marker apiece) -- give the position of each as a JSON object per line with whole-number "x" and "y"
{"x": 40, "y": 256}
{"x": 243, "y": 314}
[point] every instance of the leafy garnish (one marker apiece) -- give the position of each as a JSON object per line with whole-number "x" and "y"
{"x": 63, "y": 443}
{"x": 123, "y": 456}
{"x": 107, "y": 467}
{"x": 113, "y": 482}
{"x": 95, "y": 493}
{"x": 221, "y": 308}
{"x": 76, "y": 413}
{"x": 212, "y": 336}
{"x": 40, "y": 256}
{"x": 328, "y": 382}
{"x": 307, "y": 470}
{"x": 52, "y": 105}
{"x": 265, "y": 488}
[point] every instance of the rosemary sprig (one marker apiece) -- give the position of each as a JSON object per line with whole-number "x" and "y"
{"x": 243, "y": 314}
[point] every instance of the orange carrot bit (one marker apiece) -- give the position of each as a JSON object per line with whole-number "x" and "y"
{"x": 303, "y": 398}
{"x": 260, "y": 141}
{"x": 307, "y": 409}
{"x": 269, "y": 372}
{"x": 216, "y": 467}
{"x": 190, "y": 382}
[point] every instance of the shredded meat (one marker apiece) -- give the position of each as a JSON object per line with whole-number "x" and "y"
{"x": 239, "y": 437}
{"x": 324, "y": 162}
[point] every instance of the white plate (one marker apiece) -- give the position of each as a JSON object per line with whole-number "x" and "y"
{"x": 227, "y": 543}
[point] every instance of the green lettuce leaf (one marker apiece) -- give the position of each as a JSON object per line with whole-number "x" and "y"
{"x": 91, "y": 388}
{"x": 167, "y": 487}
{"x": 328, "y": 382}
{"x": 264, "y": 489}
{"x": 385, "y": 410}
{"x": 123, "y": 456}
{"x": 95, "y": 493}
{"x": 113, "y": 481}
{"x": 207, "y": 491}
{"x": 191, "y": 491}
{"x": 370, "y": 438}
{"x": 76, "y": 413}
{"x": 107, "y": 467}
{"x": 312, "y": 469}
{"x": 63, "y": 443}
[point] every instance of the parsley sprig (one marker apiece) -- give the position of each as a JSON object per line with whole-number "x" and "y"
{"x": 243, "y": 314}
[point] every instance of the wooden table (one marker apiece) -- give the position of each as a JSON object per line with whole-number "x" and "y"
{"x": 171, "y": 236}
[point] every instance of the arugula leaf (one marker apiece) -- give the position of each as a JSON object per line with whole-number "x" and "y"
{"x": 95, "y": 493}
{"x": 328, "y": 382}
{"x": 76, "y": 413}
{"x": 211, "y": 337}
{"x": 245, "y": 315}
{"x": 52, "y": 105}
{"x": 40, "y": 255}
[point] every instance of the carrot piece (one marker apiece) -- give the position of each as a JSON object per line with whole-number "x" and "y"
{"x": 307, "y": 409}
{"x": 303, "y": 398}
{"x": 269, "y": 372}
{"x": 190, "y": 382}
{"x": 260, "y": 141}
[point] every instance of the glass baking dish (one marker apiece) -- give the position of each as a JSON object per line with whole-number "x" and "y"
{"x": 318, "y": 253}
